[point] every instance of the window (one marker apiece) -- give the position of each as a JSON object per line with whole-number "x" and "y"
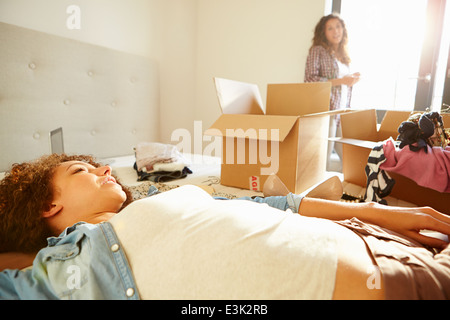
{"x": 396, "y": 45}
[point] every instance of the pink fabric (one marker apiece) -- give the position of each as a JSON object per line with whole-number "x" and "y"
{"x": 431, "y": 170}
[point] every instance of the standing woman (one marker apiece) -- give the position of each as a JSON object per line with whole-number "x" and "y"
{"x": 329, "y": 61}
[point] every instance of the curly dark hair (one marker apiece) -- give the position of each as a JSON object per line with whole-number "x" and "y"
{"x": 321, "y": 40}
{"x": 26, "y": 193}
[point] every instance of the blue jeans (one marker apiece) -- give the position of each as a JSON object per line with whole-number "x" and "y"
{"x": 291, "y": 201}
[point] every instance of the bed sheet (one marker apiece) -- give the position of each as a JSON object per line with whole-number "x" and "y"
{"x": 205, "y": 173}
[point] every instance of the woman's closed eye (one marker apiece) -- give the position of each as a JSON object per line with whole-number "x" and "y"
{"x": 79, "y": 168}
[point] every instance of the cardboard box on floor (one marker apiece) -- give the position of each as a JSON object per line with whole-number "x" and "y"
{"x": 289, "y": 139}
{"x": 360, "y": 134}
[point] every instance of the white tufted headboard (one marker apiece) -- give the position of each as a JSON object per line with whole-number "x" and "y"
{"x": 106, "y": 101}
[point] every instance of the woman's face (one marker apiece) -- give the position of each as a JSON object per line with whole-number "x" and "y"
{"x": 334, "y": 32}
{"x": 85, "y": 193}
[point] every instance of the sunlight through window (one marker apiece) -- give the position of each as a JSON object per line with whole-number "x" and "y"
{"x": 385, "y": 44}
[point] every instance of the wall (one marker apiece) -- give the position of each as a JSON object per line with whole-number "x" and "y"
{"x": 258, "y": 41}
{"x": 132, "y": 26}
{"x": 178, "y": 66}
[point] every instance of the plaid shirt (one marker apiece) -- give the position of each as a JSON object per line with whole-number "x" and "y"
{"x": 321, "y": 67}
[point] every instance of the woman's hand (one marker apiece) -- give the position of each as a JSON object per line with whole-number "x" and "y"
{"x": 411, "y": 221}
{"x": 349, "y": 80}
{"x": 407, "y": 221}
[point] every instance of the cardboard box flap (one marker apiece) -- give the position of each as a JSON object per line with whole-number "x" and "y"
{"x": 356, "y": 142}
{"x": 270, "y": 128}
{"x": 298, "y": 99}
{"x": 390, "y": 123}
{"x": 238, "y": 97}
{"x": 327, "y": 113}
{"x": 361, "y": 124}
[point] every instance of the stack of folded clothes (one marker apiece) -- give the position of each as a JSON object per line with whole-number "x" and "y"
{"x": 160, "y": 162}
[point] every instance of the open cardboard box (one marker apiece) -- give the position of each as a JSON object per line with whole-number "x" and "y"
{"x": 360, "y": 134}
{"x": 289, "y": 139}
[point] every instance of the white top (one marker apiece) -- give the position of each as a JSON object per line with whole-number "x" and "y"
{"x": 344, "y": 70}
{"x": 183, "y": 244}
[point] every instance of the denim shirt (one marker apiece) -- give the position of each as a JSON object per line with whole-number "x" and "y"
{"x": 85, "y": 262}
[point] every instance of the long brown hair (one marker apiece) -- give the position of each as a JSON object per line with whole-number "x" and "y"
{"x": 26, "y": 193}
{"x": 321, "y": 40}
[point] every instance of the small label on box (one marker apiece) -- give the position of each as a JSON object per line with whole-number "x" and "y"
{"x": 254, "y": 183}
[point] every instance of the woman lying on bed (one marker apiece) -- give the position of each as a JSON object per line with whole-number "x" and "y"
{"x": 183, "y": 244}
